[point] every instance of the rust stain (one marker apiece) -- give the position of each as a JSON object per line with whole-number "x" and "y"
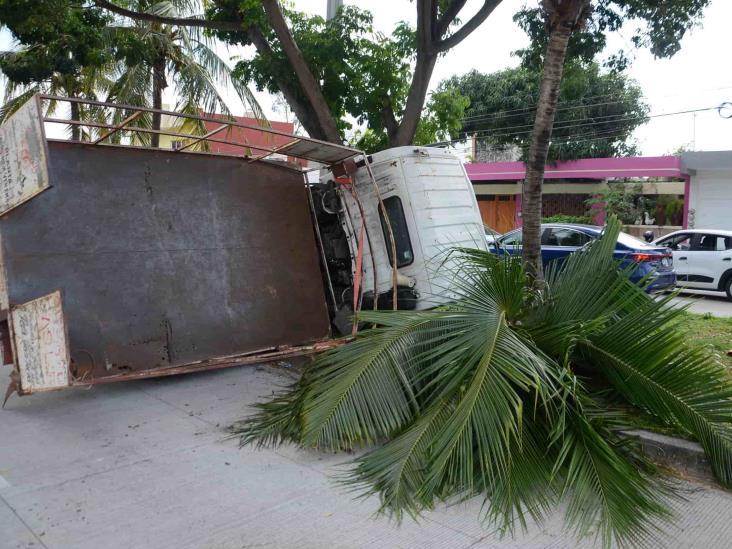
{"x": 256, "y": 357}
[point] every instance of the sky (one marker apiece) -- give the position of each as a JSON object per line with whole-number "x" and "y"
{"x": 699, "y": 76}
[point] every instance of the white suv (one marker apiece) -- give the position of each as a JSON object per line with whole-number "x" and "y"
{"x": 703, "y": 258}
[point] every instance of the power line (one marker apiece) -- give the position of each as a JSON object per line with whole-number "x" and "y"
{"x": 503, "y": 113}
{"x": 566, "y": 123}
{"x": 527, "y": 110}
{"x": 573, "y": 125}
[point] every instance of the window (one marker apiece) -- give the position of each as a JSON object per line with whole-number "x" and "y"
{"x": 679, "y": 242}
{"x": 562, "y": 236}
{"x": 513, "y": 239}
{"x": 712, "y": 243}
{"x": 404, "y": 252}
{"x": 177, "y": 145}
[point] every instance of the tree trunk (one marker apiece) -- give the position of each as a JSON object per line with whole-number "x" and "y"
{"x": 415, "y": 100}
{"x": 310, "y": 86}
{"x": 75, "y": 115}
{"x": 540, "y": 137}
{"x": 159, "y": 84}
{"x": 288, "y": 87}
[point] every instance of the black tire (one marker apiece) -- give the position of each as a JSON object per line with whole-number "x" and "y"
{"x": 728, "y": 287}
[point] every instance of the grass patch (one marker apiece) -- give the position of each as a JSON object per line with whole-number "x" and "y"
{"x": 703, "y": 330}
{"x": 712, "y": 331}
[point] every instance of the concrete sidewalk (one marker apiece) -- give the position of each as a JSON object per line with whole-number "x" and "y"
{"x": 148, "y": 464}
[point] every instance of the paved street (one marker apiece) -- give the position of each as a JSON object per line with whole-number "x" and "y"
{"x": 148, "y": 464}
{"x": 701, "y": 302}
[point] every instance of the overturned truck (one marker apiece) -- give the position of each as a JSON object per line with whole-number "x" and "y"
{"x": 119, "y": 261}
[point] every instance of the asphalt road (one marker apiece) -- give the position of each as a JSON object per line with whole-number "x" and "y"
{"x": 148, "y": 464}
{"x": 701, "y": 302}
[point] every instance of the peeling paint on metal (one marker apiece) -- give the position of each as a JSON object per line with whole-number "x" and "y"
{"x": 23, "y": 157}
{"x": 41, "y": 347}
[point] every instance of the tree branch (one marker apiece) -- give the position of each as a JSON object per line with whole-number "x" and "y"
{"x": 424, "y": 25}
{"x": 472, "y": 24}
{"x": 288, "y": 88}
{"x": 443, "y": 23}
{"x": 181, "y": 21}
{"x": 390, "y": 121}
{"x": 310, "y": 86}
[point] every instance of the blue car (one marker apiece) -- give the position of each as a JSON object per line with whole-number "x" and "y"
{"x": 558, "y": 240}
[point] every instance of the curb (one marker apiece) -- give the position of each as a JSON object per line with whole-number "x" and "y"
{"x": 681, "y": 455}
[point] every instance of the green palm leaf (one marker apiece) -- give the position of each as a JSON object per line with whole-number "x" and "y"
{"x": 482, "y": 398}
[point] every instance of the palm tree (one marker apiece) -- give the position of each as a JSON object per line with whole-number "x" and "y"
{"x": 177, "y": 55}
{"x": 562, "y": 17}
{"x": 518, "y": 395}
{"x": 88, "y": 83}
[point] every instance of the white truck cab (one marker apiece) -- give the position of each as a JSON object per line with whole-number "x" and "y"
{"x": 431, "y": 209}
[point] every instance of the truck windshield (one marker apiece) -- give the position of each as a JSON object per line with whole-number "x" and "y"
{"x": 404, "y": 253}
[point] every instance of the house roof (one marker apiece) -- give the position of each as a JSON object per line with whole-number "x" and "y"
{"x": 589, "y": 168}
{"x": 706, "y": 161}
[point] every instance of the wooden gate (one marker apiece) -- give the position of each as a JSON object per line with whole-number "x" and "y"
{"x": 498, "y": 212}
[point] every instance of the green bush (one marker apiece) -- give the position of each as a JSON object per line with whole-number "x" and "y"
{"x": 563, "y": 218}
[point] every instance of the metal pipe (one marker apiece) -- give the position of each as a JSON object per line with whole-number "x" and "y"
{"x": 198, "y": 117}
{"x": 354, "y": 192}
{"x": 204, "y": 137}
{"x": 117, "y": 128}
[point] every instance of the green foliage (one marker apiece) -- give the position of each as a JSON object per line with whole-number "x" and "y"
{"x": 670, "y": 209}
{"x": 621, "y": 200}
{"x": 69, "y": 48}
{"x": 562, "y": 218}
{"x": 597, "y": 114}
{"x": 514, "y": 395}
{"x": 361, "y": 71}
{"x": 661, "y": 26}
{"x": 60, "y": 36}
{"x": 443, "y": 117}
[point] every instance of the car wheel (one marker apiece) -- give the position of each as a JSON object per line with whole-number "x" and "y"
{"x": 728, "y": 287}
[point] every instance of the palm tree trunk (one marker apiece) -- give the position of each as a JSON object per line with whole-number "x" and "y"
{"x": 539, "y": 149}
{"x": 75, "y": 115}
{"x": 159, "y": 84}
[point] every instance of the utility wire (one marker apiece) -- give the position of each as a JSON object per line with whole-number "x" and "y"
{"x": 573, "y": 124}
{"x": 503, "y": 113}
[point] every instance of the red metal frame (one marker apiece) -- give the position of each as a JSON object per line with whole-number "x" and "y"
{"x": 135, "y": 112}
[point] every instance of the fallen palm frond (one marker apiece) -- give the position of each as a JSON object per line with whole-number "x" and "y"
{"x": 507, "y": 394}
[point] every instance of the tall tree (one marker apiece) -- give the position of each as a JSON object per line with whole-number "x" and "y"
{"x": 154, "y": 55}
{"x": 562, "y": 18}
{"x": 72, "y": 48}
{"x": 579, "y": 27}
{"x": 62, "y": 51}
{"x": 598, "y": 110}
{"x": 275, "y": 32}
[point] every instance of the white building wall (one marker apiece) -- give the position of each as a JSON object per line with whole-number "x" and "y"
{"x": 710, "y": 201}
